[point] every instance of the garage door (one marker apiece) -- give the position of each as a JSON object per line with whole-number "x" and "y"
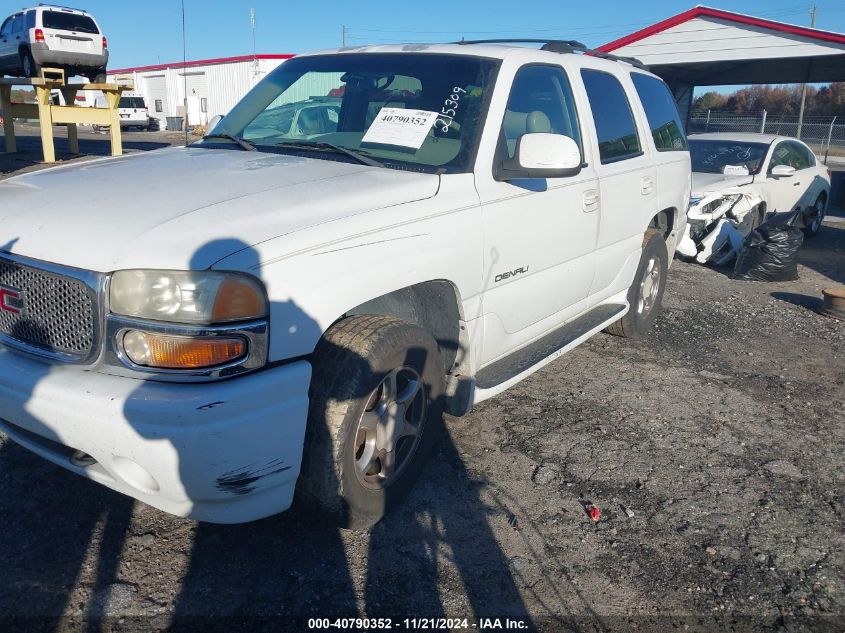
{"x": 156, "y": 93}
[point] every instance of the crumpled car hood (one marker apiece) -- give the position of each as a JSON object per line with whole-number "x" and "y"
{"x": 703, "y": 182}
{"x": 163, "y": 209}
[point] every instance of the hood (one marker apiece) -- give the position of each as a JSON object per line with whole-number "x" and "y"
{"x": 163, "y": 209}
{"x": 705, "y": 183}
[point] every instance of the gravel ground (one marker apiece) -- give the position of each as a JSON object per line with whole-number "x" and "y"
{"x": 713, "y": 448}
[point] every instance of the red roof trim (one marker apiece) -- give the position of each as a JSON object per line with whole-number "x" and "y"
{"x": 698, "y": 12}
{"x": 198, "y": 62}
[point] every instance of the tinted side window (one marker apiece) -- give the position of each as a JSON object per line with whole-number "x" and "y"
{"x": 30, "y": 19}
{"x": 661, "y": 112}
{"x": 540, "y": 101}
{"x": 803, "y": 156}
{"x": 7, "y": 27}
{"x": 17, "y": 23}
{"x": 789, "y": 154}
{"x": 615, "y": 127}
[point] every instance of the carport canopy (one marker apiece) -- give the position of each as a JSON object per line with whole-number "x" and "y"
{"x": 711, "y": 47}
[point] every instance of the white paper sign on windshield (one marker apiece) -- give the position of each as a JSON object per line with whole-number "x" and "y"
{"x": 735, "y": 170}
{"x": 398, "y": 126}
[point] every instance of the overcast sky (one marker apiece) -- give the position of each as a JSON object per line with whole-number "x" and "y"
{"x": 151, "y": 31}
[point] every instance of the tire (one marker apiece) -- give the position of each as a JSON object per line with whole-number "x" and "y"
{"x": 346, "y": 472}
{"x": 646, "y": 292}
{"x": 28, "y": 65}
{"x": 97, "y": 76}
{"x": 814, "y": 217}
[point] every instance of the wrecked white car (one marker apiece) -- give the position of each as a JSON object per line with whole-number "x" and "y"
{"x": 717, "y": 224}
{"x": 737, "y": 180}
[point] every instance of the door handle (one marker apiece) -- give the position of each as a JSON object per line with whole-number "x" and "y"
{"x": 647, "y": 186}
{"x": 795, "y": 184}
{"x": 591, "y": 200}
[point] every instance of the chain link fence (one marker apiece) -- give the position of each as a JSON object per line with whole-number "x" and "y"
{"x": 825, "y": 134}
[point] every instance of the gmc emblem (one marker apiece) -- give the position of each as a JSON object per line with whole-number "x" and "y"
{"x": 11, "y": 300}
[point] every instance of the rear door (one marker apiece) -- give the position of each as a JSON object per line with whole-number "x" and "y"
{"x": 627, "y": 176}
{"x": 670, "y": 152}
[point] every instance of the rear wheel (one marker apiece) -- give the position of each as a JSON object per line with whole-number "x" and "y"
{"x": 814, "y": 217}
{"x": 97, "y": 76}
{"x": 28, "y": 65}
{"x": 376, "y": 406}
{"x": 646, "y": 293}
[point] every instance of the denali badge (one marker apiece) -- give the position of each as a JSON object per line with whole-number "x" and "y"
{"x": 11, "y": 300}
{"x": 510, "y": 273}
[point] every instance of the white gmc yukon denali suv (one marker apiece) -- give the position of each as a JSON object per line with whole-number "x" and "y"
{"x": 293, "y": 302}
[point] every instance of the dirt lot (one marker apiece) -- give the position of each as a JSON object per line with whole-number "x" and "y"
{"x": 713, "y": 447}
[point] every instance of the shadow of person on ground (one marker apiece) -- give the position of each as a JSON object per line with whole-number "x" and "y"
{"x": 50, "y": 522}
{"x": 297, "y": 564}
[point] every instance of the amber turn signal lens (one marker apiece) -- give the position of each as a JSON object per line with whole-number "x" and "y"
{"x": 181, "y": 352}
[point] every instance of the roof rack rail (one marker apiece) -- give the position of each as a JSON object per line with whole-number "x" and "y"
{"x": 561, "y": 46}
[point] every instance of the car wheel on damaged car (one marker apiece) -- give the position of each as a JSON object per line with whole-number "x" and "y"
{"x": 814, "y": 217}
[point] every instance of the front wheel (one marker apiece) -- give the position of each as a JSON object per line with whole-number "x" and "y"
{"x": 376, "y": 406}
{"x": 646, "y": 293}
{"x": 814, "y": 217}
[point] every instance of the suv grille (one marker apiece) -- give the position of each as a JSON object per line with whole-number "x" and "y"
{"x": 48, "y": 311}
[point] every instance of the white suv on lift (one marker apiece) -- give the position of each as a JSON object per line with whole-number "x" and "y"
{"x": 54, "y": 36}
{"x": 276, "y": 313}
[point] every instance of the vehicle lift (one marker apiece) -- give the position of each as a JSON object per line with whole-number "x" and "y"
{"x": 49, "y": 114}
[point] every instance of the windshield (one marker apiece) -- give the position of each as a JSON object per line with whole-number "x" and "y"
{"x": 68, "y": 22}
{"x": 419, "y": 112}
{"x": 727, "y": 157}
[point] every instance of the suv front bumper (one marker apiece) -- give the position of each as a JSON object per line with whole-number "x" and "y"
{"x": 223, "y": 452}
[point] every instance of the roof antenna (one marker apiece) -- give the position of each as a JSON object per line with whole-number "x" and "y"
{"x": 185, "y": 72}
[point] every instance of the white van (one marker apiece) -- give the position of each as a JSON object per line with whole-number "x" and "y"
{"x": 132, "y": 109}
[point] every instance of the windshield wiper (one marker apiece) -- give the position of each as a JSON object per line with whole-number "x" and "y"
{"x": 243, "y": 143}
{"x": 361, "y": 157}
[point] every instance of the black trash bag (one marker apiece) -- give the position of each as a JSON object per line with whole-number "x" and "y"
{"x": 770, "y": 252}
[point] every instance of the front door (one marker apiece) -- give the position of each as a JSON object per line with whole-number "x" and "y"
{"x": 785, "y": 192}
{"x": 8, "y": 45}
{"x": 539, "y": 233}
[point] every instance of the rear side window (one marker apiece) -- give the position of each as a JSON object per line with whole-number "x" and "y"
{"x": 30, "y": 19}
{"x": 615, "y": 127}
{"x": 661, "y": 112}
{"x": 62, "y": 21}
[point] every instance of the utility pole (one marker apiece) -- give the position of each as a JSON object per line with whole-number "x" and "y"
{"x": 343, "y": 36}
{"x": 254, "y": 53}
{"x": 804, "y": 85}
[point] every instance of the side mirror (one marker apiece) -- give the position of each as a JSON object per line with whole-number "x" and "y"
{"x": 783, "y": 171}
{"x": 212, "y": 123}
{"x": 542, "y": 155}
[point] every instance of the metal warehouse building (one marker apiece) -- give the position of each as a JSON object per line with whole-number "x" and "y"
{"x": 205, "y": 87}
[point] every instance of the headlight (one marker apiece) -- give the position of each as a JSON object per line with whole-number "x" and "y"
{"x": 200, "y": 298}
